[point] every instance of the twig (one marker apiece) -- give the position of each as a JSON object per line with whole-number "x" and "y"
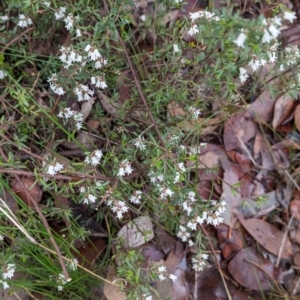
{"x": 16, "y": 38}
{"x": 284, "y": 239}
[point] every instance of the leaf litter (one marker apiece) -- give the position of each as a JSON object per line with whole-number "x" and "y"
{"x": 253, "y": 150}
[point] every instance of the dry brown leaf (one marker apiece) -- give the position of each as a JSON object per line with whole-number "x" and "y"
{"x": 261, "y": 110}
{"x": 243, "y": 268}
{"x": 263, "y": 152}
{"x": 297, "y": 117}
{"x": 268, "y": 236}
{"x": 86, "y": 108}
{"x": 137, "y": 232}
{"x": 238, "y": 129}
{"x": 89, "y": 252}
{"x": 111, "y": 291}
{"x": 283, "y": 108}
{"x": 108, "y": 105}
{"x": 175, "y": 110}
{"x": 175, "y": 257}
{"x": 208, "y": 160}
{"x": 232, "y": 199}
{"x": 27, "y": 189}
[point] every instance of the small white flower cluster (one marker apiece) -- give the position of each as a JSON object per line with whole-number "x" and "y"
{"x": 292, "y": 54}
{"x": 60, "y": 13}
{"x": 2, "y": 74}
{"x": 72, "y": 265}
{"x": 7, "y": 273}
{"x": 125, "y": 168}
{"x": 145, "y": 297}
{"x": 165, "y": 192}
{"x": 94, "y": 158}
{"x": 69, "y": 56}
{"x": 83, "y": 92}
{"x": 243, "y": 74}
{"x": 194, "y": 112}
{"x": 4, "y": 18}
{"x": 175, "y": 49}
{"x": 240, "y": 40}
{"x": 188, "y": 203}
{"x": 67, "y": 113}
{"x": 54, "y": 168}
{"x": 212, "y": 216}
{"x": 198, "y": 15}
{"x": 196, "y": 150}
{"x": 136, "y": 197}
{"x": 117, "y": 206}
{"x": 185, "y": 235}
{"x": 199, "y": 262}
{"x": 99, "y": 82}
{"x": 54, "y": 85}
{"x": 162, "y": 272}
{"x": 24, "y": 21}
{"x": 140, "y": 143}
{"x": 89, "y": 198}
{"x": 61, "y": 281}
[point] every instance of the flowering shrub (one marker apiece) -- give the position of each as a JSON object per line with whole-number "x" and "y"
{"x": 137, "y": 159}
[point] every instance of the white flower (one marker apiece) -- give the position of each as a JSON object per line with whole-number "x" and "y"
{"x": 2, "y": 74}
{"x": 201, "y": 220}
{"x": 100, "y": 63}
{"x": 90, "y": 199}
{"x": 195, "y": 112}
{"x": 161, "y": 277}
{"x": 165, "y": 192}
{"x": 72, "y": 265}
{"x": 181, "y": 167}
{"x": 173, "y": 277}
{"x": 240, "y": 40}
{"x": 178, "y": 1}
{"x": 93, "y": 53}
{"x": 99, "y": 82}
{"x": 183, "y": 234}
{"x": 94, "y": 158}
{"x": 243, "y": 75}
{"x": 290, "y": 16}
{"x": 66, "y": 113}
{"x": 119, "y": 207}
{"x": 143, "y": 18}
{"x": 23, "y": 21}
{"x": 140, "y": 143}
{"x": 82, "y": 189}
{"x": 69, "y": 20}
{"x": 192, "y": 224}
{"x": 161, "y": 269}
{"x": 125, "y": 168}
{"x": 175, "y": 48}
{"x": 5, "y": 284}
{"x": 4, "y": 18}
{"x": 47, "y": 3}
{"x": 194, "y": 16}
{"x": 60, "y": 13}
{"x": 199, "y": 262}
{"x": 193, "y": 30}
{"x": 83, "y": 92}
{"x": 136, "y": 197}
{"x": 191, "y": 243}
{"x": 1, "y": 237}
{"x": 54, "y": 168}
{"x": 78, "y": 32}
{"x": 9, "y": 271}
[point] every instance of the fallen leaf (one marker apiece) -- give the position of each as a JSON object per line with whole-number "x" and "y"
{"x": 175, "y": 257}
{"x": 175, "y": 110}
{"x": 136, "y": 232}
{"x": 283, "y": 108}
{"x": 208, "y": 160}
{"x": 295, "y": 209}
{"x": 111, "y": 291}
{"x": 27, "y": 189}
{"x": 86, "y": 108}
{"x": 261, "y": 110}
{"x": 243, "y": 268}
{"x": 268, "y": 236}
{"x": 232, "y": 195}
{"x": 89, "y": 252}
{"x": 238, "y": 129}
{"x": 297, "y": 117}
